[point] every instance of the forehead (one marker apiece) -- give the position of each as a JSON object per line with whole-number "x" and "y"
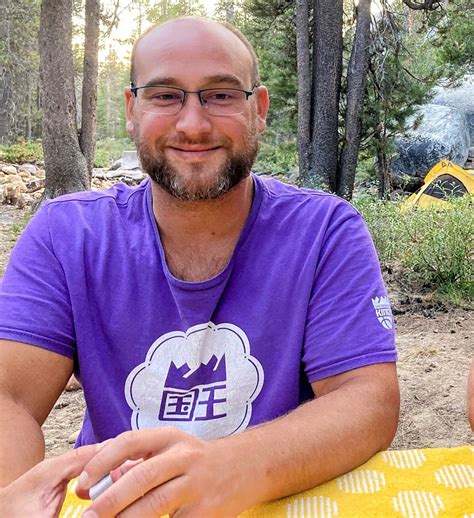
{"x": 191, "y": 52}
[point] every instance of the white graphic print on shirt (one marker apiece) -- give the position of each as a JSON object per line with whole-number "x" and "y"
{"x": 203, "y": 381}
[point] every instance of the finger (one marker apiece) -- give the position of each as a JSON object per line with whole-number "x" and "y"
{"x": 163, "y": 500}
{"x": 139, "y": 480}
{"x": 127, "y": 446}
{"x": 124, "y": 468}
{"x": 66, "y": 466}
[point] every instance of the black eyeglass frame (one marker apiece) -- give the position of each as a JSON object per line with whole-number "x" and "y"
{"x": 248, "y": 93}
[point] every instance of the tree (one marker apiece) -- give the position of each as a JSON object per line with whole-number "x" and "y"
{"x": 19, "y": 102}
{"x": 113, "y": 76}
{"x": 68, "y": 151}
{"x": 356, "y": 90}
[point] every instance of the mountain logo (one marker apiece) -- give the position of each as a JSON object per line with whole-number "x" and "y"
{"x": 203, "y": 381}
{"x": 194, "y": 394}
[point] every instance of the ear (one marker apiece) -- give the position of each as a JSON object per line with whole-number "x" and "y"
{"x": 263, "y": 103}
{"x": 129, "y": 107}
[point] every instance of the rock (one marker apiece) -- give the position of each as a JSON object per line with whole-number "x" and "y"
{"x": 21, "y": 201}
{"x": 11, "y": 193}
{"x": 19, "y": 182}
{"x": 9, "y": 169}
{"x": 35, "y": 184}
{"x": 28, "y": 199}
{"x": 73, "y": 384}
{"x": 461, "y": 98}
{"x": 137, "y": 176}
{"x": 40, "y": 173}
{"x": 28, "y": 168}
{"x": 73, "y": 437}
{"x": 128, "y": 161}
{"x": 442, "y": 133}
{"x": 25, "y": 175}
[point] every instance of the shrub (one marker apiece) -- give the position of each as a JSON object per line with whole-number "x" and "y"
{"x": 434, "y": 246}
{"x": 22, "y": 151}
{"x": 108, "y": 150}
{"x": 276, "y": 158}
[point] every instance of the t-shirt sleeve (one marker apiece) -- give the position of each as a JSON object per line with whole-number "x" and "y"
{"x": 349, "y": 322}
{"x": 35, "y": 305}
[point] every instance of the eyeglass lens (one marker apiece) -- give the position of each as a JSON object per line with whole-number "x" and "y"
{"x": 169, "y": 101}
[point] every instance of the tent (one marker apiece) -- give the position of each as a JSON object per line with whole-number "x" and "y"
{"x": 445, "y": 180}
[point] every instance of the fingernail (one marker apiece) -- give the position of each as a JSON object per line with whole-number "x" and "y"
{"x": 89, "y": 514}
{"x": 83, "y": 479}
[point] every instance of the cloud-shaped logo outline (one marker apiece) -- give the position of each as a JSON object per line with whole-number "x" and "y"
{"x": 162, "y": 340}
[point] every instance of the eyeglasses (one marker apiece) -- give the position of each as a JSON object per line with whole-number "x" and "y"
{"x": 169, "y": 100}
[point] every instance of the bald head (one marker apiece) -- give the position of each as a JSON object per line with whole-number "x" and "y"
{"x": 218, "y": 35}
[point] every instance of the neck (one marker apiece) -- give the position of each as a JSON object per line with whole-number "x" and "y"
{"x": 201, "y": 221}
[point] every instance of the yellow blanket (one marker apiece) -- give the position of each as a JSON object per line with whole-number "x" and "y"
{"x": 409, "y": 483}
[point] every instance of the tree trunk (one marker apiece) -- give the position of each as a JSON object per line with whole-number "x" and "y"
{"x": 356, "y": 83}
{"x": 66, "y": 167}
{"x": 28, "y": 110}
{"x": 327, "y": 67}
{"x": 89, "y": 82}
{"x": 304, "y": 87}
{"x": 5, "y": 75}
{"x": 382, "y": 166}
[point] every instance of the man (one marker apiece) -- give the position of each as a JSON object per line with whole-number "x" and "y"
{"x": 202, "y": 310}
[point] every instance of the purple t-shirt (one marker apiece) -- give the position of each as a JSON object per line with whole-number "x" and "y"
{"x": 301, "y": 299}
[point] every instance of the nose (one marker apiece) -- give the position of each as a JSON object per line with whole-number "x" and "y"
{"x": 193, "y": 119}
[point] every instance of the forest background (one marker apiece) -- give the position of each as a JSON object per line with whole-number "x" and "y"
{"x": 344, "y": 77}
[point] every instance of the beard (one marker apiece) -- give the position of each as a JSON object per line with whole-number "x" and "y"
{"x": 232, "y": 171}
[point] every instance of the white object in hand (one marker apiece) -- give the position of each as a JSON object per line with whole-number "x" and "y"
{"x": 97, "y": 489}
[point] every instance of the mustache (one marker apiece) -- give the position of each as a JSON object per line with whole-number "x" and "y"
{"x": 178, "y": 141}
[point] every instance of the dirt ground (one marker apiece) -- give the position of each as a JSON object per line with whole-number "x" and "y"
{"x": 435, "y": 345}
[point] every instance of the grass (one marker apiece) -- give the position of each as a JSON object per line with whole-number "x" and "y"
{"x": 107, "y": 151}
{"x": 22, "y": 152}
{"x": 433, "y": 247}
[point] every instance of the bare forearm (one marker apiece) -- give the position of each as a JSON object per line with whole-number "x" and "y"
{"x": 318, "y": 441}
{"x": 21, "y": 441}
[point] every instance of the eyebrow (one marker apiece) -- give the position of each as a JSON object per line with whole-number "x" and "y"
{"x": 209, "y": 80}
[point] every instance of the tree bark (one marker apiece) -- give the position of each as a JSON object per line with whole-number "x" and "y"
{"x": 89, "y": 82}
{"x": 356, "y": 83}
{"x": 304, "y": 87}
{"x": 5, "y": 75}
{"x": 66, "y": 167}
{"x": 327, "y": 68}
{"x": 382, "y": 163}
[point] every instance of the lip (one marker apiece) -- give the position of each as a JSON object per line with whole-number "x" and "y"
{"x": 193, "y": 153}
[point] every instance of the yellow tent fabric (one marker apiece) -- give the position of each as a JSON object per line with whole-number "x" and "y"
{"x": 400, "y": 483}
{"x": 444, "y": 179}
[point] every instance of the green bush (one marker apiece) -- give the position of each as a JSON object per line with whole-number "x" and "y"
{"x": 22, "y": 152}
{"x": 276, "y": 158}
{"x": 434, "y": 246}
{"x": 108, "y": 150}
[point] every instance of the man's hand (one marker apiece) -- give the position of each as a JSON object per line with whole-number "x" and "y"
{"x": 353, "y": 417}
{"x": 180, "y": 475}
{"x": 40, "y": 491}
